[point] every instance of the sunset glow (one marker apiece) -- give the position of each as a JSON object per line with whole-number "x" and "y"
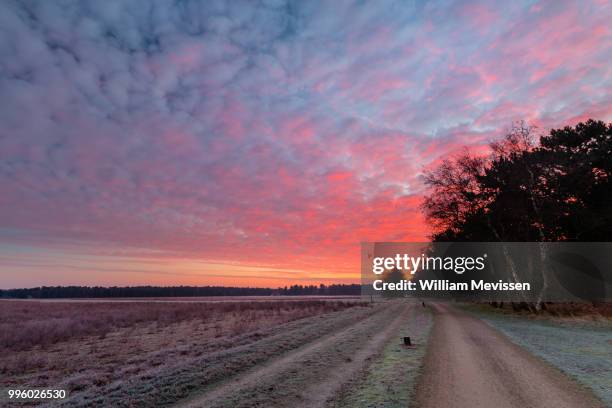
{"x": 258, "y": 145}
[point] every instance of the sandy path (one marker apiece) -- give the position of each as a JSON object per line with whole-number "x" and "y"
{"x": 317, "y": 394}
{"x": 471, "y": 365}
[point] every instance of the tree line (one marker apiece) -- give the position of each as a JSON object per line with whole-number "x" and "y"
{"x": 557, "y": 188}
{"x": 58, "y": 292}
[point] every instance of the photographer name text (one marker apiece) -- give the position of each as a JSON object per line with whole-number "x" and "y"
{"x": 446, "y": 285}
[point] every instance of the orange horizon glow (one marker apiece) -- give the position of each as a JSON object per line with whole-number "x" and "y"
{"x": 263, "y": 150}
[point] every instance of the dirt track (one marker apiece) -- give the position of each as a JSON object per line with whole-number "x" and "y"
{"x": 312, "y": 375}
{"x": 471, "y": 365}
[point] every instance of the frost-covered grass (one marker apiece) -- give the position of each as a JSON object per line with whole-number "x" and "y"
{"x": 152, "y": 353}
{"x": 581, "y": 349}
{"x": 390, "y": 380}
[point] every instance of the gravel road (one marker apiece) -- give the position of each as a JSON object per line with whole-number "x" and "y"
{"x": 471, "y": 365}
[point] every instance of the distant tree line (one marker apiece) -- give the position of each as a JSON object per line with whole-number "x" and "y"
{"x": 557, "y": 188}
{"x": 57, "y": 292}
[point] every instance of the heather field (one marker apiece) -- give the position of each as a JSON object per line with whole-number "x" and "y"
{"x": 208, "y": 353}
{"x": 24, "y": 325}
{"x": 87, "y": 347}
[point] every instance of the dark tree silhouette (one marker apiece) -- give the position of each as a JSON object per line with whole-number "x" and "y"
{"x": 50, "y": 292}
{"x": 580, "y": 165}
{"x": 557, "y": 190}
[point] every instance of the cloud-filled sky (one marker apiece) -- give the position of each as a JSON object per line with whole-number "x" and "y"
{"x": 257, "y": 143}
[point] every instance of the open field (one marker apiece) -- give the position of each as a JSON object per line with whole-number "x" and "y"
{"x": 24, "y": 325}
{"x": 205, "y": 354}
{"x": 85, "y": 347}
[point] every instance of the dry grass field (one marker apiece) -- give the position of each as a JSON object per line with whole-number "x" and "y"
{"x": 24, "y": 325}
{"x": 125, "y": 351}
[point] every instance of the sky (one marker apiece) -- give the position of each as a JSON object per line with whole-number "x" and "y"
{"x": 258, "y": 143}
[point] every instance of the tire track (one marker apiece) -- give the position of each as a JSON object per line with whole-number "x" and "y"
{"x": 317, "y": 360}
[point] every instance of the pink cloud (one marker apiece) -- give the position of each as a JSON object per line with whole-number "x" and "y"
{"x": 264, "y": 137}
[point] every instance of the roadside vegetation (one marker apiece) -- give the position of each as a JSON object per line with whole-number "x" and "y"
{"x": 390, "y": 380}
{"x": 579, "y": 344}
